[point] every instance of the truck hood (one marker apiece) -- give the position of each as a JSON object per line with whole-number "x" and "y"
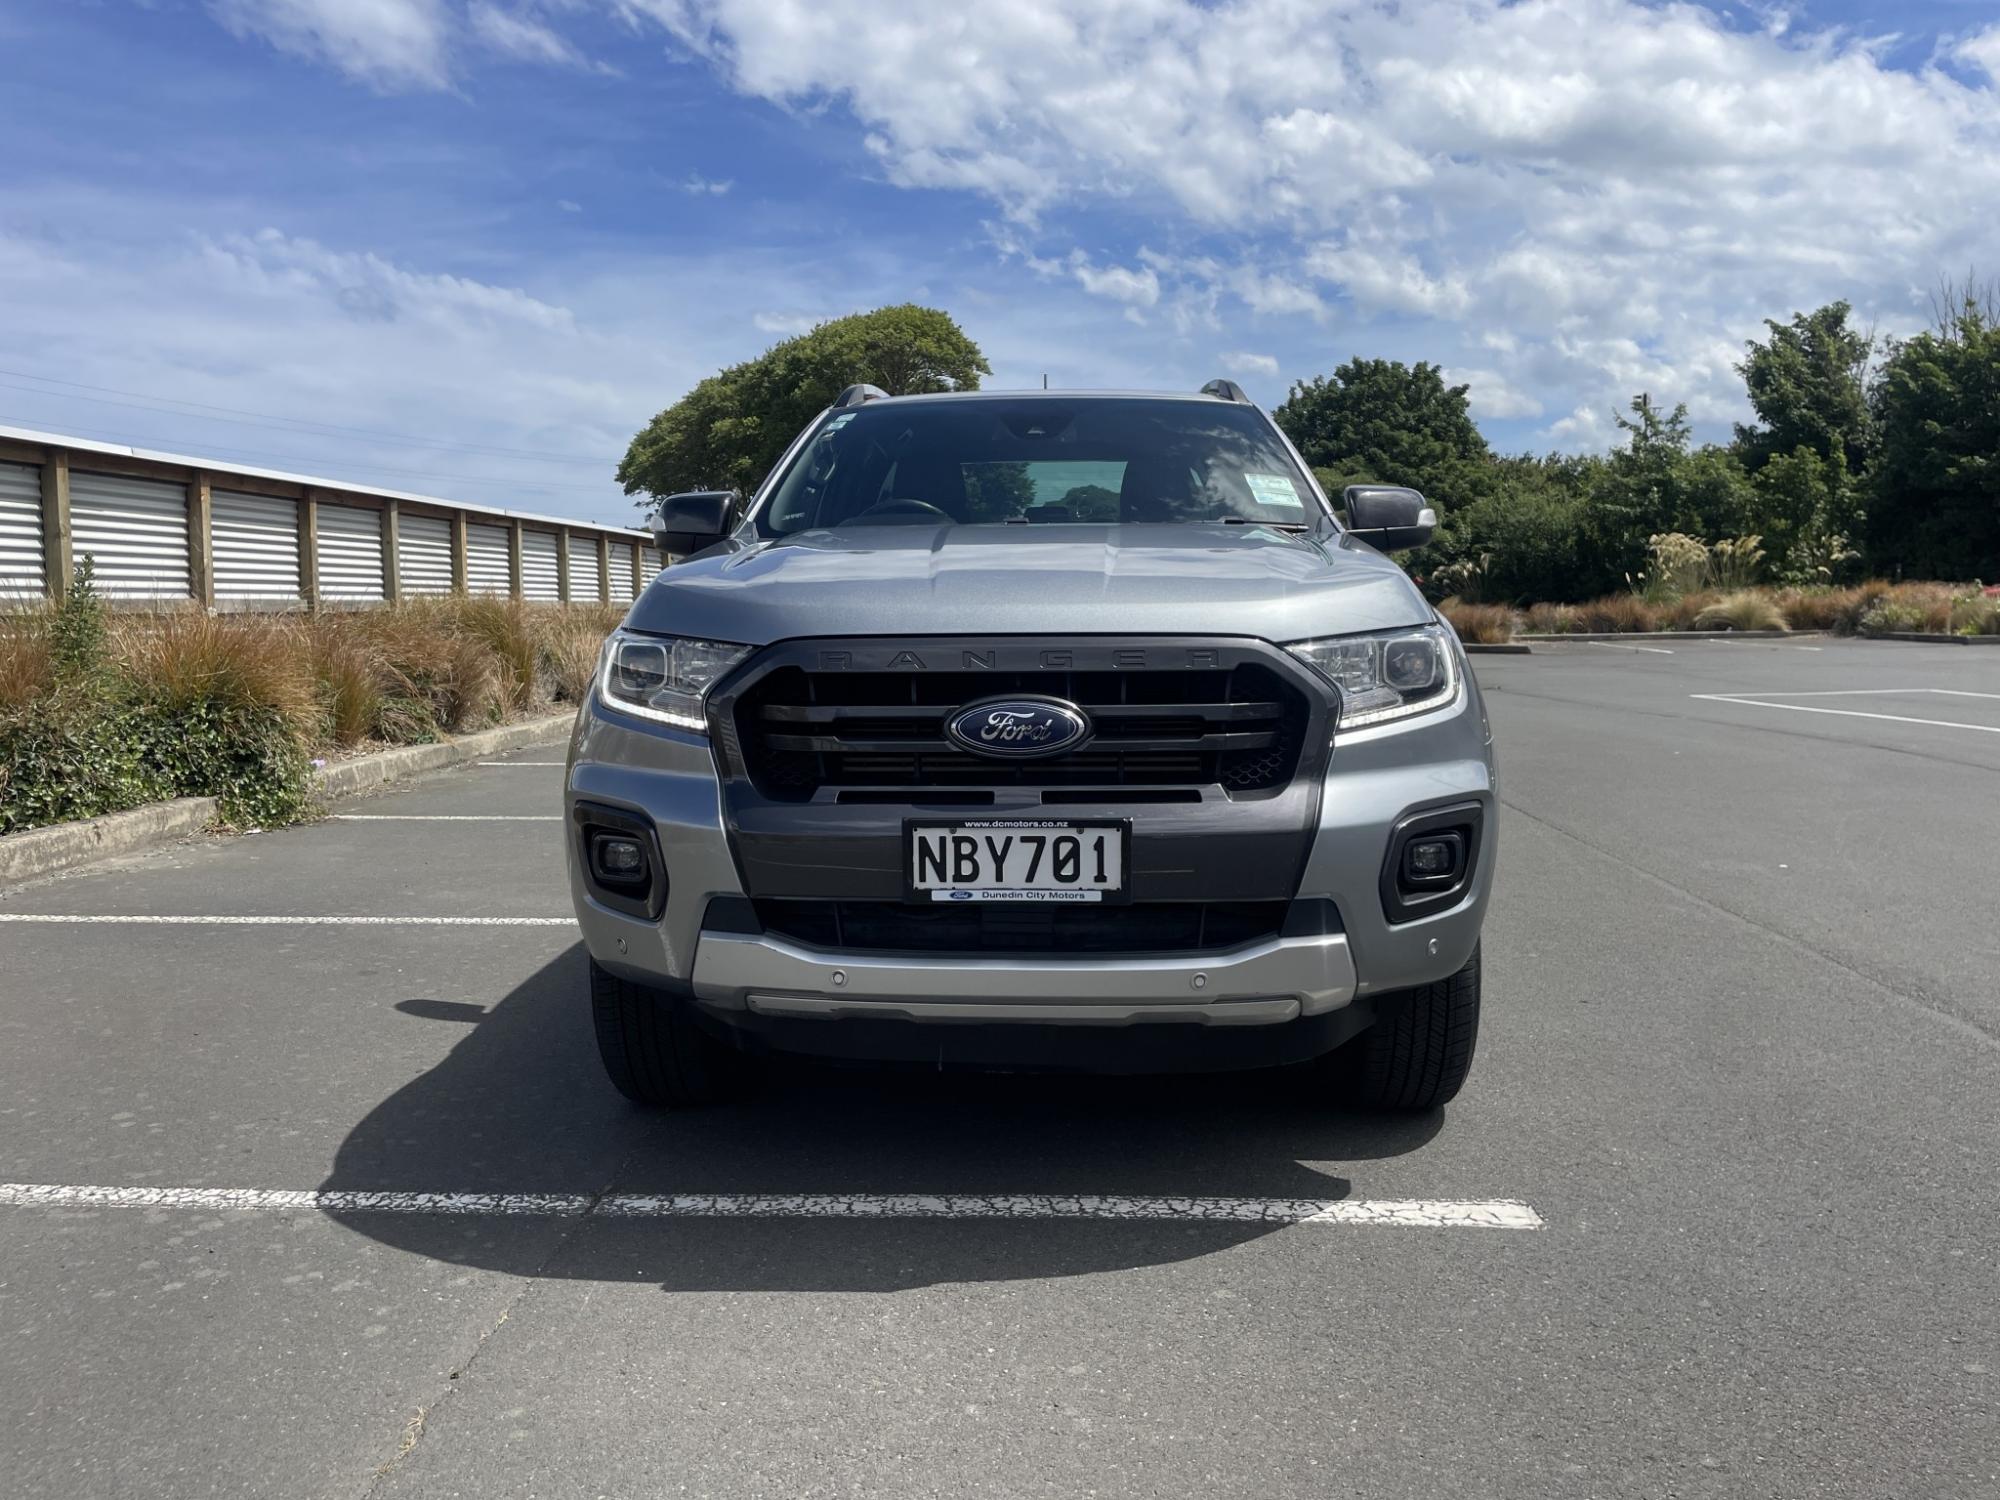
{"x": 1031, "y": 580}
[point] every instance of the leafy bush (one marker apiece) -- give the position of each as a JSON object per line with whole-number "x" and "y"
{"x": 1892, "y": 616}
{"x": 1977, "y": 615}
{"x": 71, "y": 753}
{"x": 1743, "y": 610}
{"x": 102, "y": 713}
{"x": 68, "y": 748}
{"x": 225, "y": 707}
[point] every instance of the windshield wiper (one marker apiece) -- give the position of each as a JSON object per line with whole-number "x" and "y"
{"x": 1274, "y": 525}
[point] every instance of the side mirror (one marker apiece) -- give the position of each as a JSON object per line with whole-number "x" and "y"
{"x": 1388, "y": 516}
{"x": 687, "y": 523}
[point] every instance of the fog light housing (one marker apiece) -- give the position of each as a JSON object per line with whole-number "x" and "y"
{"x": 1433, "y": 859}
{"x": 1430, "y": 861}
{"x": 618, "y": 859}
{"x": 618, "y": 854}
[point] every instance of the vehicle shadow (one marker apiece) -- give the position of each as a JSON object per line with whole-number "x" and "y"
{"x": 519, "y": 1105}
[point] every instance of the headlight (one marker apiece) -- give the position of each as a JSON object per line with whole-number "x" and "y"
{"x": 663, "y": 677}
{"x": 1384, "y": 677}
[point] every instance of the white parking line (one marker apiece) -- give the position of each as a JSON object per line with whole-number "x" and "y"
{"x": 1855, "y": 693}
{"x": 1616, "y": 646}
{"x": 198, "y": 921}
{"x": 1845, "y": 713}
{"x": 523, "y": 763}
{"x": 1414, "y": 1213}
{"x": 447, "y": 817}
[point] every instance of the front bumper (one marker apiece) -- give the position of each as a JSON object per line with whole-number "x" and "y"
{"x": 759, "y": 981}
{"x": 1260, "y": 984}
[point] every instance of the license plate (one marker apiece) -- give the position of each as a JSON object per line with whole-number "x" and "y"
{"x": 1017, "y": 861}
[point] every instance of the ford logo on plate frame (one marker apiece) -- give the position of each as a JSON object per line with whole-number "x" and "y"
{"x": 1017, "y": 728}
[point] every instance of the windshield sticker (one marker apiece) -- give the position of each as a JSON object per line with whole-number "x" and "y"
{"x": 840, "y": 421}
{"x": 1274, "y": 490}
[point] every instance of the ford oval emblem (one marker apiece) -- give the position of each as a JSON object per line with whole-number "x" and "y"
{"x": 1018, "y": 728}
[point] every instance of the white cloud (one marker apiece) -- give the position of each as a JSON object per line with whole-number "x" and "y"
{"x": 1492, "y": 397}
{"x": 1239, "y": 363}
{"x": 389, "y": 44}
{"x": 367, "y": 288}
{"x": 1134, "y": 288}
{"x": 784, "y": 324}
{"x": 1535, "y": 189}
{"x": 1565, "y": 195}
{"x": 1982, "y": 50}
{"x": 519, "y": 35}
{"x": 569, "y": 205}
{"x": 706, "y": 187}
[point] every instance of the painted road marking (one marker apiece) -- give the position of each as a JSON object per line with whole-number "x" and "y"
{"x": 1616, "y": 646}
{"x": 523, "y": 763}
{"x": 1845, "y": 713}
{"x": 447, "y": 817}
{"x": 195, "y": 921}
{"x": 1854, "y": 692}
{"x": 1414, "y": 1213}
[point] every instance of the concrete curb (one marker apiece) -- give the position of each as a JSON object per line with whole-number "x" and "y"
{"x": 44, "y": 851}
{"x": 1628, "y": 636}
{"x": 1923, "y": 639}
{"x": 364, "y": 772}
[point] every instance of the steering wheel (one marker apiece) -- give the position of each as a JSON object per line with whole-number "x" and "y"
{"x": 905, "y": 506}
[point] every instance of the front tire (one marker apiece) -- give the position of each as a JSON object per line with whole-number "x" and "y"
{"x": 654, "y": 1054}
{"x": 1416, "y": 1057}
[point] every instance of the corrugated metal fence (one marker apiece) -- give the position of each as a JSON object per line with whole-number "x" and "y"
{"x": 163, "y": 528}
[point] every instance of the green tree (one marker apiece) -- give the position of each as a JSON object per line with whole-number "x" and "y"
{"x": 1935, "y": 481}
{"x": 1808, "y": 386}
{"x": 1381, "y": 421}
{"x": 1808, "y": 510}
{"x": 1526, "y": 535}
{"x": 1660, "y": 482}
{"x": 730, "y": 429}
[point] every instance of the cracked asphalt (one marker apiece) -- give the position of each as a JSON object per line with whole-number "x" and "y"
{"x": 1741, "y": 1053}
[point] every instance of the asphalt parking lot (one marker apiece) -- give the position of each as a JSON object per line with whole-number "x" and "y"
{"x": 1741, "y": 1059}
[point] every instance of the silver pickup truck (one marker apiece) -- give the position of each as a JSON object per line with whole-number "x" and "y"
{"x": 1049, "y": 729}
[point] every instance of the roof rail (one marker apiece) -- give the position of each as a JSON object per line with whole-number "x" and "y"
{"x": 854, "y": 395}
{"x": 1225, "y": 390}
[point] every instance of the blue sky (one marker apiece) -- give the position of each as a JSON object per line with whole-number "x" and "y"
{"x": 468, "y": 246}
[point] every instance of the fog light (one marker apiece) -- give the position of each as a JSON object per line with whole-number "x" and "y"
{"x": 1430, "y": 860}
{"x": 617, "y": 859}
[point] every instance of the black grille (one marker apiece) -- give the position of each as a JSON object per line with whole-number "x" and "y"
{"x": 1142, "y": 927}
{"x": 1239, "y": 728}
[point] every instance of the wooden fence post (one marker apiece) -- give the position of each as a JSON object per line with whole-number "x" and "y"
{"x": 201, "y": 540}
{"x": 516, "y": 583}
{"x": 459, "y": 542}
{"x": 392, "y": 568}
{"x": 56, "y": 555}
{"x": 562, "y": 564}
{"x": 603, "y": 568}
{"x": 309, "y": 549}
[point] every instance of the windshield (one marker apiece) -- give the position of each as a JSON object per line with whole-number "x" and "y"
{"x": 1040, "y": 460}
